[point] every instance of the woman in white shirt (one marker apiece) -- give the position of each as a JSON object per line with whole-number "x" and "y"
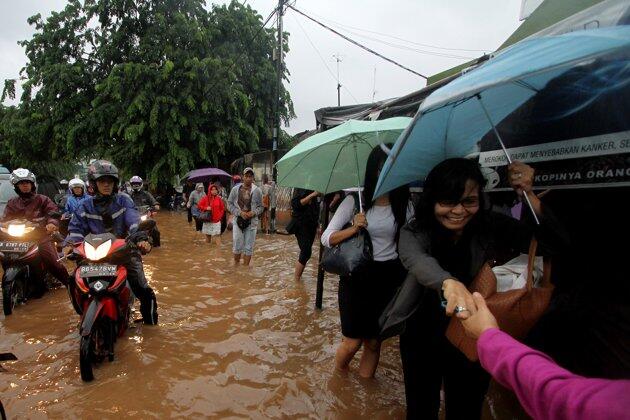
{"x": 364, "y": 294}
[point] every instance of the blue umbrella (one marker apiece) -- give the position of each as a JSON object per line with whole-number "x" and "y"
{"x": 452, "y": 121}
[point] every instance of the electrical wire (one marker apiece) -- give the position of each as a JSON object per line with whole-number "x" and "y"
{"x": 322, "y": 59}
{"x": 408, "y": 48}
{"x": 342, "y": 25}
{"x": 359, "y": 44}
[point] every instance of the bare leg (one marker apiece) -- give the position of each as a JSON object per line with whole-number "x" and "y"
{"x": 369, "y": 358}
{"x": 346, "y": 351}
{"x": 208, "y": 239}
{"x": 217, "y": 239}
{"x": 237, "y": 258}
{"x": 299, "y": 269}
{"x": 246, "y": 259}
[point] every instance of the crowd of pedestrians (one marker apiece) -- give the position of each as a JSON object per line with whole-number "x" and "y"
{"x": 426, "y": 252}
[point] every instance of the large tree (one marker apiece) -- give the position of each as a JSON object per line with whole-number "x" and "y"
{"x": 158, "y": 86}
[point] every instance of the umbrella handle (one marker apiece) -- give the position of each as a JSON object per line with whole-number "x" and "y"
{"x": 507, "y": 155}
{"x": 356, "y": 159}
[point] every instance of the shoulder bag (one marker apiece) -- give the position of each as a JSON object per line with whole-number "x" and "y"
{"x": 206, "y": 215}
{"x": 516, "y": 311}
{"x": 347, "y": 256}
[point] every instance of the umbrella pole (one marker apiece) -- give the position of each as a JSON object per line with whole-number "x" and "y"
{"x": 356, "y": 159}
{"x": 507, "y": 155}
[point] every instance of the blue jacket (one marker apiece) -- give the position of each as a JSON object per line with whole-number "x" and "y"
{"x": 73, "y": 204}
{"x": 87, "y": 219}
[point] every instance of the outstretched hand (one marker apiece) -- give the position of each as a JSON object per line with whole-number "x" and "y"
{"x": 481, "y": 320}
{"x": 459, "y": 301}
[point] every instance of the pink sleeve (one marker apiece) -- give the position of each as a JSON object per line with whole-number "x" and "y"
{"x": 546, "y": 390}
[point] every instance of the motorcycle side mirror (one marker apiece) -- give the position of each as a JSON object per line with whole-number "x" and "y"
{"x": 146, "y": 225}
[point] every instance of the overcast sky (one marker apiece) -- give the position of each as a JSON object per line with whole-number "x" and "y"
{"x": 412, "y": 28}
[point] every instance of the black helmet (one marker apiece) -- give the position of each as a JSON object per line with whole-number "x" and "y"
{"x": 99, "y": 169}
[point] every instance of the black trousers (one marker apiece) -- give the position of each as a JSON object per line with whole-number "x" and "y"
{"x": 305, "y": 234}
{"x": 190, "y": 216}
{"x": 198, "y": 224}
{"x": 140, "y": 287}
{"x": 429, "y": 360}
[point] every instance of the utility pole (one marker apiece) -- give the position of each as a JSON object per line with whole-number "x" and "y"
{"x": 337, "y": 58}
{"x": 276, "y": 116}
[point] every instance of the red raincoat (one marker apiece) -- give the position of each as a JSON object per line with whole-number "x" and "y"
{"x": 215, "y": 203}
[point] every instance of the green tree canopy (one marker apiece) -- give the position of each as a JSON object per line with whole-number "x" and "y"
{"x": 158, "y": 86}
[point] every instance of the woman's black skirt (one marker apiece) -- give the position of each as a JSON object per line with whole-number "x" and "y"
{"x": 364, "y": 295}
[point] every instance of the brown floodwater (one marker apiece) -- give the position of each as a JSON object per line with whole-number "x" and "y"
{"x": 232, "y": 341}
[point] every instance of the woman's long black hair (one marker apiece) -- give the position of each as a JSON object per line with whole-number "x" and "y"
{"x": 447, "y": 182}
{"x": 398, "y": 198}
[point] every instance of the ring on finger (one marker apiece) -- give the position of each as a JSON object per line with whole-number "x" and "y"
{"x": 459, "y": 309}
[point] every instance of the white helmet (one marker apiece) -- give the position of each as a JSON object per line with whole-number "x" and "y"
{"x": 136, "y": 183}
{"x": 21, "y": 174}
{"x": 76, "y": 182}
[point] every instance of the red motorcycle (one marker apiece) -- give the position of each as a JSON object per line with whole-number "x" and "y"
{"x": 24, "y": 275}
{"x": 102, "y": 296}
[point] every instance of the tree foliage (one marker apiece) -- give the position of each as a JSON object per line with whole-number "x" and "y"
{"x": 158, "y": 86}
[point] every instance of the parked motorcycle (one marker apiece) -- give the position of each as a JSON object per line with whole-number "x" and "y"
{"x": 24, "y": 274}
{"x": 102, "y": 294}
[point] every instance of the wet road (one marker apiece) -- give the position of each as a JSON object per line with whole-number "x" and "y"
{"x": 232, "y": 342}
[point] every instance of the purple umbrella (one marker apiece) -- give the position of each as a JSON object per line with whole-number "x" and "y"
{"x": 206, "y": 174}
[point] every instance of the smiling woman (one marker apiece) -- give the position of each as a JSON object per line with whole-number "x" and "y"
{"x": 452, "y": 236}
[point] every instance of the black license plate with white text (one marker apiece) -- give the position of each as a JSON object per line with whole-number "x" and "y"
{"x": 98, "y": 270}
{"x": 12, "y": 246}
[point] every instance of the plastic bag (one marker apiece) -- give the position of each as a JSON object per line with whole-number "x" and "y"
{"x": 512, "y": 274}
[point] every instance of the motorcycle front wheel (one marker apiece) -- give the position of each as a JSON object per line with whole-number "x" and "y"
{"x": 86, "y": 353}
{"x": 11, "y": 296}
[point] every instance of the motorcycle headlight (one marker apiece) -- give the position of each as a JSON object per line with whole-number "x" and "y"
{"x": 143, "y": 217}
{"x": 16, "y": 230}
{"x": 99, "y": 252}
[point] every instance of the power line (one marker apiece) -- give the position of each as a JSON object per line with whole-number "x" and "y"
{"x": 358, "y": 44}
{"x": 322, "y": 59}
{"x": 405, "y": 47}
{"x": 342, "y": 25}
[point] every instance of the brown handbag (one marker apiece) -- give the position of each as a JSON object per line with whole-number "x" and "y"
{"x": 516, "y": 310}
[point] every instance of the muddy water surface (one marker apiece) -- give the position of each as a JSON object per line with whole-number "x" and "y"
{"x": 232, "y": 342}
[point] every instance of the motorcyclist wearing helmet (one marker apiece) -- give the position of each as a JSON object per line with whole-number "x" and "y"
{"x": 109, "y": 211}
{"x": 29, "y": 205}
{"x": 140, "y": 196}
{"x": 77, "y": 195}
{"x": 61, "y": 197}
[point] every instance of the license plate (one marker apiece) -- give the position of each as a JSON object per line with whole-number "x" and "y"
{"x": 100, "y": 270}
{"x": 8, "y": 246}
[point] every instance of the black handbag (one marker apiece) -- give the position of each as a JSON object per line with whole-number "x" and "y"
{"x": 291, "y": 227}
{"x": 205, "y": 216}
{"x": 348, "y": 256}
{"x": 243, "y": 223}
